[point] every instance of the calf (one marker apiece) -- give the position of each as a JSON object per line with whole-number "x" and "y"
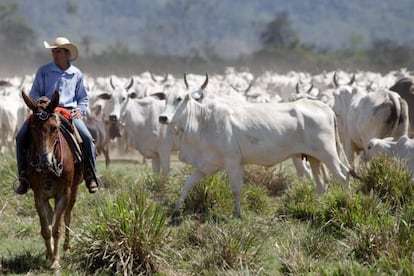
{"x": 402, "y": 149}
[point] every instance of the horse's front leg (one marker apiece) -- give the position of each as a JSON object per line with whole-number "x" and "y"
{"x": 45, "y": 212}
{"x": 68, "y": 219}
{"x": 60, "y": 209}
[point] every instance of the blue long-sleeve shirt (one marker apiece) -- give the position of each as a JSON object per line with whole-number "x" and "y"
{"x": 72, "y": 92}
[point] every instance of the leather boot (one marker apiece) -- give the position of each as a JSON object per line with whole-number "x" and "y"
{"x": 23, "y": 184}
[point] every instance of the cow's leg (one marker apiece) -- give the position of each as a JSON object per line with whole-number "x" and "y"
{"x": 155, "y": 163}
{"x": 165, "y": 156}
{"x": 105, "y": 151}
{"x": 325, "y": 173}
{"x": 315, "y": 165}
{"x": 302, "y": 169}
{"x": 194, "y": 178}
{"x": 43, "y": 210}
{"x": 337, "y": 168}
{"x": 236, "y": 180}
{"x": 349, "y": 152}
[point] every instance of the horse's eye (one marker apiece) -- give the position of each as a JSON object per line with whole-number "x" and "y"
{"x": 179, "y": 99}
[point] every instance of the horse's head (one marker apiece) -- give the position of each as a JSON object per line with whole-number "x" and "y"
{"x": 44, "y": 126}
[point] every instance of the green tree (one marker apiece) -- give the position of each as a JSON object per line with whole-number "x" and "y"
{"x": 15, "y": 33}
{"x": 72, "y": 8}
{"x": 279, "y": 32}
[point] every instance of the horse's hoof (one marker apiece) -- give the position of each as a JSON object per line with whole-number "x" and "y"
{"x": 55, "y": 265}
{"x": 175, "y": 219}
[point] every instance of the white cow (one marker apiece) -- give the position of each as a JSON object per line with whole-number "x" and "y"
{"x": 12, "y": 115}
{"x": 219, "y": 136}
{"x": 140, "y": 117}
{"x": 402, "y": 149}
{"x": 363, "y": 116}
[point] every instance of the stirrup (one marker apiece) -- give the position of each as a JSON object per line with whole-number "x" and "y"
{"x": 92, "y": 184}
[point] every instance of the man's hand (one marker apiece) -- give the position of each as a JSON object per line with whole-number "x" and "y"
{"x": 76, "y": 113}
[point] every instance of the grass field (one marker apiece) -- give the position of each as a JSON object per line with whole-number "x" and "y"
{"x": 285, "y": 228}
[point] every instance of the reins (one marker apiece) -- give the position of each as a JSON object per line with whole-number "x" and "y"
{"x": 55, "y": 166}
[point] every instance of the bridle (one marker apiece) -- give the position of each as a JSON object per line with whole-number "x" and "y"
{"x": 41, "y": 163}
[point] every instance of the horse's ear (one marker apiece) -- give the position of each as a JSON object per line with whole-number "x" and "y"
{"x": 54, "y": 102}
{"x": 29, "y": 102}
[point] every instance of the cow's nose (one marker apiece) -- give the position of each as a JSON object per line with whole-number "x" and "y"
{"x": 163, "y": 119}
{"x": 113, "y": 118}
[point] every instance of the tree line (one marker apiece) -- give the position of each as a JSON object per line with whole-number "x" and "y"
{"x": 281, "y": 50}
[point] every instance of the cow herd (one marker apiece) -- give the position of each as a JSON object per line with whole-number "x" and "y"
{"x": 224, "y": 121}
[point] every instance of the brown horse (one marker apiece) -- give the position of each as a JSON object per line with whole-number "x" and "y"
{"x": 52, "y": 174}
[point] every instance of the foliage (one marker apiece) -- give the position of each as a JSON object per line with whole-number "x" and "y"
{"x": 279, "y": 32}
{"x": 125, "y": 236}
{"x": 209, "y": 36}
{"x": 15, "y": 33}
{"x": 299, "y": 201}
{"x": 211, "y": 198}
{"x": 389, "y": 179}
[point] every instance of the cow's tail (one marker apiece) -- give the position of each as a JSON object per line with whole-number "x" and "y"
{"x": 396, "y": 118}
{"x": 341, "y": 151}
{"x": 403, "y": 123}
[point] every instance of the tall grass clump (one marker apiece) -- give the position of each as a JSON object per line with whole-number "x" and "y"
{"x": 220, "y": 248}
{"x": 210, "y": 198}
{"x": 341, "y": 210}
{"x": 125, "y": 235}
{"x": 299, "y": 201}
{"x": 389, "y": 179}
{"x": 111, "y": 179}
{"x": 275, "y": 179}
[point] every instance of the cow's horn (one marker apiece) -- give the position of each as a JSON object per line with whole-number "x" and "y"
{"x": 205, "y": 83}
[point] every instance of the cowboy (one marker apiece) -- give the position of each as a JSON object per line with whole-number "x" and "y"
{"x": 62, "y": 76}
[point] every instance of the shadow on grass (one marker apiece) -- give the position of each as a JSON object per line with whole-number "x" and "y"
{"x": 23, "y": 263}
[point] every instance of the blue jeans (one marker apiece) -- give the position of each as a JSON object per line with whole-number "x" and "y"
{"x": 22, "y": 141}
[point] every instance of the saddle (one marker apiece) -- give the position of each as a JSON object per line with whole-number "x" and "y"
{"x": 68, "y": 129}
{"x": 71, "y": 134}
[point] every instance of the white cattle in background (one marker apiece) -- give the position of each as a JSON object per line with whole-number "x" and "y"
{"x": 148, "y": 83}
{"x": 402, "y": 149}
{"x": 218, "y": 136}
{"x": 12, "y": 115}
{"x": 140, "y": 117}
{"x": 363, "y": 116}
{"x": 239, "y": 80}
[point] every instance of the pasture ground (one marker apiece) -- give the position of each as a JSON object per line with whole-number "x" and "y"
{"x": 285, "y": 228}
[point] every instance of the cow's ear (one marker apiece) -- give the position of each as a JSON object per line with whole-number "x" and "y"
{"x": 104, "y": 96}
{"x": 197, "y": 95}
{"x": 159, "y": 95}
{"x": 133, "y": 95}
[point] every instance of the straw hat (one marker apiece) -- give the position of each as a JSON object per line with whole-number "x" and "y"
{"x": 63, "y": 42}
